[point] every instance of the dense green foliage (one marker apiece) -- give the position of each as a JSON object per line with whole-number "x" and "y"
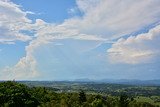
{"x": 13, "y": 94}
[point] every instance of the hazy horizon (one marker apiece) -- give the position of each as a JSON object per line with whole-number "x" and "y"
{"x": 79, "y": 39}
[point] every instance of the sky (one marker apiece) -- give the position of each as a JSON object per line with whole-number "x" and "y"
{"x": 79, "y": 39}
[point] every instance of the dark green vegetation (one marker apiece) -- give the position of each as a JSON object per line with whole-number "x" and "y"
{"x": 72, "y": 94}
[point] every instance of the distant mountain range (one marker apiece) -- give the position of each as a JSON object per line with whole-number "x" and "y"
{"x": 122, "y": 81}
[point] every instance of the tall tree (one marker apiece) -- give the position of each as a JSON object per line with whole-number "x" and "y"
{"x": 82, "y": 96}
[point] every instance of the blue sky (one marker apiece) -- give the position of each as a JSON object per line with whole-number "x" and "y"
{"x": 52, "y": 11}
{"x": 75, "y": 39}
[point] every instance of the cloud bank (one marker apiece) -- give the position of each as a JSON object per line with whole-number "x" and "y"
{"x": 102, "y": 21}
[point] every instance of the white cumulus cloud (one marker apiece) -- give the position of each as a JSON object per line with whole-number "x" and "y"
{"x": 143, "y": 48}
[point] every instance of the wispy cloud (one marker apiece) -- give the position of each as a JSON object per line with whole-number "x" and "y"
{"x": 115, "y": 18}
